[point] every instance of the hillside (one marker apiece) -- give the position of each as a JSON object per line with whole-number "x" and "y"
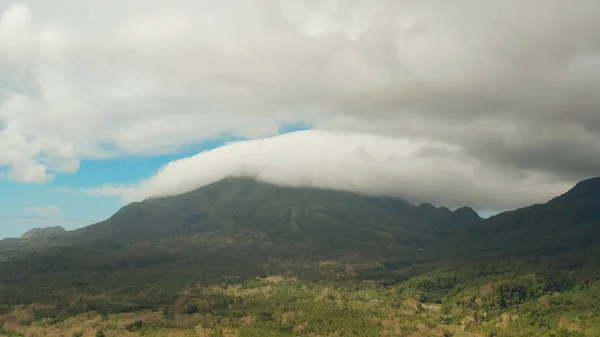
{"x": 567, "y": 222}
{"x": 245, "y": 258}
{"x": 243, "y": 211}
{"x": 243, "y": 228}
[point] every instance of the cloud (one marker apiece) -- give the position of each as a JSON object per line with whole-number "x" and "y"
{"x": 43, "y": 211}
{"x": 417, "y": 170}
{"x": 509, "y": 85}
{"x": 109, "y": 190}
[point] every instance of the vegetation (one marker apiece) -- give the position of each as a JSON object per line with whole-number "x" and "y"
{"x": 240, "y": 258}
{"x": 479, "y": 300}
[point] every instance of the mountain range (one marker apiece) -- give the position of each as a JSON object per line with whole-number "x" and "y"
{"x": 243, "y": 255}
{"x": 243, "y": 228}
{"x": 327, "y": 222}
{"x": 243, "y": 210}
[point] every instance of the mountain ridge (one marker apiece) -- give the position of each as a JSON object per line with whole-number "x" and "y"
{"x": 235, "y": 203}
{"x": 326, "y": 223}
{"x": 568, "y": 221}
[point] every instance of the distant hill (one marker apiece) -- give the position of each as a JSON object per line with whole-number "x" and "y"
{"x": 44, "y": 232}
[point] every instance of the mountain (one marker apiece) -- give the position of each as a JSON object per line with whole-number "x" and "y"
{"x": 567, "y": 222}
{"x": 34, "y": 239}
{"x": 44, "y": 232}
{"x": 315, "y": 220}
{"x": 442, "y": 219}
{"x": 243, "y": 222}
{"x": 243, "y": 227}
{"x": 241, "y": 257}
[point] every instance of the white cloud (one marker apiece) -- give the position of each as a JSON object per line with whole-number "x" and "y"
{"x": 44, "y": 211}
{"x": 109, "y": 190}
{"x": 509, "y": 85}
{"x": 417, "y": 170}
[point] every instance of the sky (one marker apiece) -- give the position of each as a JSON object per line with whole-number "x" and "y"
{"x": 486, "y": 103}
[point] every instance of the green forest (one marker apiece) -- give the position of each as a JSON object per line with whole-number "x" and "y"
{"x": 231, "y": 259}
{"x": 502, "y": 298}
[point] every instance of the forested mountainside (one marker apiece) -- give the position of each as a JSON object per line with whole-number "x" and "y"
{"x": 246, "y": 258}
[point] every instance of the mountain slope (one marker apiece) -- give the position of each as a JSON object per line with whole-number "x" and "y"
{"x": 225, "y": 258}
{"x": 242, "y": 227}
{"x": 319, "y": 219}
{"x": 566, "y": 222}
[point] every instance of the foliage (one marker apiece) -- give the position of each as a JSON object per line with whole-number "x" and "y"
{"x": 240, "y": 258}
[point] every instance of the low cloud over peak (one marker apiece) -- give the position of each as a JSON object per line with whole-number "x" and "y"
{"x": 502, "y": 92}
{"x": 416, "y": 170}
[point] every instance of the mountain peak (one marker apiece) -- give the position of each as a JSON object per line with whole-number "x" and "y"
{"x": 44, "y": 232}
{"x": 466, "y": 211}
{"x": 427, "y": 207}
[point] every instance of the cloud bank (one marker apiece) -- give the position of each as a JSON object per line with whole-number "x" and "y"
{"x": 419, "y": 171}
{"x": 509, "y": 85}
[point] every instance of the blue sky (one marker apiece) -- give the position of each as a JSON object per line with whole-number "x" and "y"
{"x": 20, "y": 203}
{"x": 76, "y": 209}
